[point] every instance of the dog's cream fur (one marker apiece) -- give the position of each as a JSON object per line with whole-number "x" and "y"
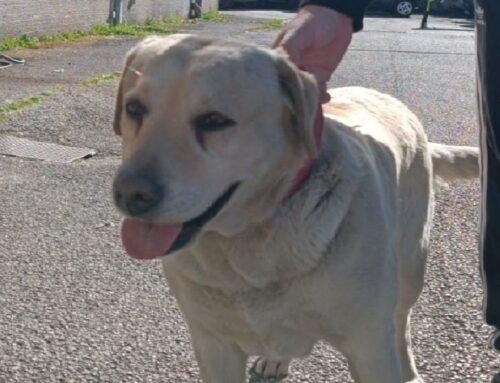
{"x": 341, "y": 260}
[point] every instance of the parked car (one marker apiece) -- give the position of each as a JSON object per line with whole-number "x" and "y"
{"x": 402, "y": 8}
{"x": 287, "y": 4}
{"x": 452, "y": 8}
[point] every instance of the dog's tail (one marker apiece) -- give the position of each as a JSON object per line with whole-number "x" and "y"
{"x": 454, "y": 162}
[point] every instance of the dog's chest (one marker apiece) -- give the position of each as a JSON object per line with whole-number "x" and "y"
{"x": 258, "y": 288}
{"x": 262, "y": 321}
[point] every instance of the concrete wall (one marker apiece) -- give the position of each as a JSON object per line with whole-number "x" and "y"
{"x": 138, "y": 11}
{"x": 37, "y": 17}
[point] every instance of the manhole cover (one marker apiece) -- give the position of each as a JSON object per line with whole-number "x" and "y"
{"x": 21, "y": 147}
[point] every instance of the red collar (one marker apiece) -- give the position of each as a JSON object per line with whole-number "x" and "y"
{"x": 306, "y": 169}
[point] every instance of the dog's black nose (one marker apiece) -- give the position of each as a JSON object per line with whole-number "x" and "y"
{"x": 136, "y": 195}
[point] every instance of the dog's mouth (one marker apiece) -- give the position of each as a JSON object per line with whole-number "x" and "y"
{"x": 148, "y": 240}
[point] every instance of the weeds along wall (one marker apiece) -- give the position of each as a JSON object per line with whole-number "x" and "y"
{"x": 39, "y": 17}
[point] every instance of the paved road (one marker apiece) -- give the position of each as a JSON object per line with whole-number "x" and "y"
{"x": 74, "y": 308}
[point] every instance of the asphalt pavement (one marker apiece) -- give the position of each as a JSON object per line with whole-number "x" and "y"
{"x": 75, "y": 308}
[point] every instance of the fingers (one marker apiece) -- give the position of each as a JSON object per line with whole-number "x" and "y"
{"x": 316, "y": 40}
{"x": 292, "y": 43}
{"x": 324, "y": 97}
{"x": 279, "y": 38}
{"x": 321, "y": 73}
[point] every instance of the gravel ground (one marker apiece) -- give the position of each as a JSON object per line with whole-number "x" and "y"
{"x": 74, "y": 308}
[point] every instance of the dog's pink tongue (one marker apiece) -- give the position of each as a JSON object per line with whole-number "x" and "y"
{"x": 144, "y": 240}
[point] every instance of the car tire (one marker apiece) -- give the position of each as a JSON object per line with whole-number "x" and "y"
{"x": 226, "y": 4}
{"x": 403, "y": 8}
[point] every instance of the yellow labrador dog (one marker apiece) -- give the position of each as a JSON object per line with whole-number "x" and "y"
{"x": 214, "y": 133}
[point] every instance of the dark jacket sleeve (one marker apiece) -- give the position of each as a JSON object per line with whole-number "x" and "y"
{"x": 353, "y": 8}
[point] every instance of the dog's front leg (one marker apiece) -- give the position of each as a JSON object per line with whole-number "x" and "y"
{"x": 372, "y": 356}
{"x": 219, "y": 361}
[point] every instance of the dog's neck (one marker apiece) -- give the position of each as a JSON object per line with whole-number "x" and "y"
{"x": 306, "y": 169}
{"x": 297, "y": 236}
{"x": 273, "y": 190}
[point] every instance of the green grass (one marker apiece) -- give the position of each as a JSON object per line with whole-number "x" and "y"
{"x": 27, "y": 102}
{"x": 267, "y": 25}
{"x": 213, "y": 16}
{"x": 101, "y": 79}
{"x": 30, "y": 101}
{"x": 152, "y": 26}
{"x": 37, "y": 42}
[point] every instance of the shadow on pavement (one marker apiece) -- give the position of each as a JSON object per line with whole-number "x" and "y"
{"x": 441, "y": 29}
{"x": 464, "y": 23}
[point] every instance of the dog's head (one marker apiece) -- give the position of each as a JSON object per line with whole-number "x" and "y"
{"x": 213, "y": 132}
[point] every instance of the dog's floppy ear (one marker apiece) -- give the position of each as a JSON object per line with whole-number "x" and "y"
{"x": 300, "y": 92}
{"x": 119, "y": 95}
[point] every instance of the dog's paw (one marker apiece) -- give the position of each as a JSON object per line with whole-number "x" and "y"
{"x": 270, "y": 369}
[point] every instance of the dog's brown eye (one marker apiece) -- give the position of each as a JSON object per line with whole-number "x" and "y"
{"x": 135, "y": 110}
{"x": 210, "y": 122}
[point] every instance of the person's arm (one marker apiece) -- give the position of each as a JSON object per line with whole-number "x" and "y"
{"x": 316, "y": 40}
{"x": 355, "y": 9}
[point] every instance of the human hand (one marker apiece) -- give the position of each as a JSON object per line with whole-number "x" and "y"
{"x": 316, "y": 40}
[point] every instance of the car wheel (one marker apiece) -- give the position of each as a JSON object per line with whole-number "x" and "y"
{"x": 403, "y": 8}
{"x": 226, "y": 4}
